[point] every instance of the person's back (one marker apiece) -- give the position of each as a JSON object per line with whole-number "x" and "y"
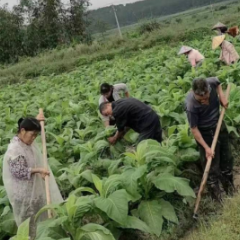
{"x": 134, "y": 113}
{"x": 229, "y": 54}
{"x": 195, "y": 57}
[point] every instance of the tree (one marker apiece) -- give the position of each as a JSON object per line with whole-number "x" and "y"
{"x": 10, "y": 35}
{"x": 77, "y": 21}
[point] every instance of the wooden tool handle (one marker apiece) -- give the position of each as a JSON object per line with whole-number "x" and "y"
{"x": 209, "y": 160}
{"x": 48, "y": 196}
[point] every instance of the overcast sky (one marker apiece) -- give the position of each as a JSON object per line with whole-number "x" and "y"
{"x": 95, "y": 3}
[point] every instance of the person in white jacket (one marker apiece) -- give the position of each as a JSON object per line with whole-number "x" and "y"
{"x": 111, "y": 93}
{"x": 24, "y": 175}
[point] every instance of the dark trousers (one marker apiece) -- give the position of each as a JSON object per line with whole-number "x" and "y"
{"x": 154, "y": 132}
{"x": 222, "y": 163}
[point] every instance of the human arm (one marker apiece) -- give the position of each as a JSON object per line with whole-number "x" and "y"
{"x": 121, "y": 124}
{"x": 193, "y": 62}
{"x": 19, "y": 169}
{"x": 198, "y": 137}
{"x": 127, "y": 94}
{"x": 118, "y": 135}
{"x": 222, "y": 98}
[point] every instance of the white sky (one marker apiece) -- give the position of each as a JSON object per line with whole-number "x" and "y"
{"x": 95, "y": 3}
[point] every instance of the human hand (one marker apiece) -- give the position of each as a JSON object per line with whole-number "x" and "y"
{"x": 44, "y": 172}
{"x": 224, "y": 102}
{"x": 112, "y": 140}
{"x": 209, "y": 153}
{"x": 40, "y": 117}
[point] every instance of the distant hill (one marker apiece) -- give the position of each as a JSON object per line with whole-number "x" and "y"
{"x": 134, "y": 12}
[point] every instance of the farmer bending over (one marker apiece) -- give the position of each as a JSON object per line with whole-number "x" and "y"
{"x": 202, "y": 107}
{"x": 111, "y": 93}
{"x": 132, "y": 113}
{"x": 228, "y": 54}
{"x": 194, "y": 56}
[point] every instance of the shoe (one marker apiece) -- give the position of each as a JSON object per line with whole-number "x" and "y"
{"x": 216, "y": 192}
{"x": 228, "y": 185}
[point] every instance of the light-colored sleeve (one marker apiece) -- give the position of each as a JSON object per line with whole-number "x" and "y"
{"x": 101, "y": 100}
{"x": 121, "y": 87}
{"x": 192, "y": 60}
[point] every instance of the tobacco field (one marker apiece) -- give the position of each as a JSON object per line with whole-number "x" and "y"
{"x": 111, "y": 191}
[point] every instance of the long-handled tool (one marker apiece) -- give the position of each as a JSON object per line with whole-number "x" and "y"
{"x": 209, "y": 160}
{"x": 48, "y": 197}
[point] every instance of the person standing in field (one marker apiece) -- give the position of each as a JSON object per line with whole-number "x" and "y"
{"x": 194, "y": 56}
{"x": 202, "y": 108}
{"x": 111, "y": 93}
{"x": 228, "y": 54}
{"x": 24, "y": 175}
{"x": 132, "y": 113}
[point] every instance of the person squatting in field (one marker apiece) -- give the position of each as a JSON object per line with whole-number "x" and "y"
{"x": 194, "y": 56}
{"x": 111, "y": 93}
{"x": 132, "y": 113}
{"x": 24, "y": 175}
{"x": 202, "y": 107}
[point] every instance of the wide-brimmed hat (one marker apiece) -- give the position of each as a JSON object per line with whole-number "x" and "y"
{"x": 219, "y": 25}
{"x": 217, "y": 41}
{"x": 184, "y": 49}
{"x": 233, "y": 31}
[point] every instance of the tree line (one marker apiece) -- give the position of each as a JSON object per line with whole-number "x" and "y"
{"x": 134, "y": 12}
{"x": 35, "y": 25}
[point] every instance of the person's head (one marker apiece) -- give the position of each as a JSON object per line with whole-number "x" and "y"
{"x": 106, "y": 90}
{"x": 28, "y": 129}
{"x": 187, "y": 53}
{"x": 106, "y": 109}
{"x": 201, "y": 90}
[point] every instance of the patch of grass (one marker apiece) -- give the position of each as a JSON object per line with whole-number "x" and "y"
{"x": 224, "y": 227}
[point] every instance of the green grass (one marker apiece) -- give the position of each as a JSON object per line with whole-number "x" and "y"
{"x": 222, "y": 227}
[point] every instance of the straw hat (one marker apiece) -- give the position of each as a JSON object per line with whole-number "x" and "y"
{"x": 219, "y": 25}
{"x": 184, "y": 49}
{"x": 217, "y": 41}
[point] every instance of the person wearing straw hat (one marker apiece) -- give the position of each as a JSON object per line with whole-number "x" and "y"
{"x": 24, "y": 175}
{"x": 194, "y": 56}
{"x": 220, "y": 28}
{"x": 111, "y": 93}
{"x": 202, "y": 107}
{"x": 228, "y": 54}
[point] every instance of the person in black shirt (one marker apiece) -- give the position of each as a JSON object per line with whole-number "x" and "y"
{"x": 134, "y": 114}
{"x": 202, "y": 107}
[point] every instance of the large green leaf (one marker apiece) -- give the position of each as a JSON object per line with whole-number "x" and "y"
{"x": 168, "y": 211}
{"x": 93, "y": 232}
{"x": 98, "y": 183}
{"x": 151, "y": 213}
{"x": 8, "y": 223}
{"x": 189, "y": 155}
{"x": 23, "y": 230}
{"x": 130, "y": 178}
{"x": 51, "y": 228}
{"x": 136, "y": 223}
{"x": 115, "y": 206}
{"x": 168, "y": 183}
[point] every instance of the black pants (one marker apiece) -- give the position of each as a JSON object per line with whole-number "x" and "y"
{"x": 222, "y": 163}
{"x": 154, "y": 132}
